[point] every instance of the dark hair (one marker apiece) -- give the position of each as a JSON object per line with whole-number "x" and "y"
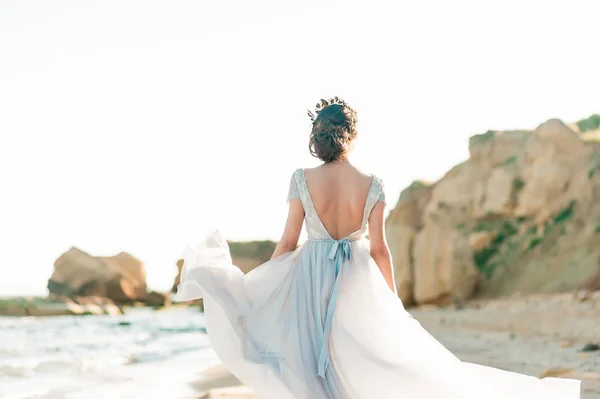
{"x": 333, "y": 129}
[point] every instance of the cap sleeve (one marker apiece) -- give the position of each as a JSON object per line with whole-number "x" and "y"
{"x": 293, "y": 191}
{"x": 381, "y": 197}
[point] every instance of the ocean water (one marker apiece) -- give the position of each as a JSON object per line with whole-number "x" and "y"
{"x": 142, "y": 354}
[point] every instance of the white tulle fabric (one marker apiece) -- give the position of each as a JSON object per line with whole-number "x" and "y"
{"x": 269, "y": 328}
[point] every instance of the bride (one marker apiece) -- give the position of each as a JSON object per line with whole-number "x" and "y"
{"x": 323, "y": 320}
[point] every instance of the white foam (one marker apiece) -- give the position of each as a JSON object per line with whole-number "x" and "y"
{"x": 154, "y": 354}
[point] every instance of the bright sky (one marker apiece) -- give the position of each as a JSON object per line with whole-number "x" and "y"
{"x": 137, "y": 125}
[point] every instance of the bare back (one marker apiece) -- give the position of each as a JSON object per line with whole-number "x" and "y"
{"x": 339, "y": 192}
{"x": 335, "y": 201}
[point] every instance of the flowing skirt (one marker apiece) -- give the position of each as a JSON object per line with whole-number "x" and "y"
{"x": 321, "y": 323}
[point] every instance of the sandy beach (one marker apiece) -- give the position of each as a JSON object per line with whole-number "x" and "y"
{"x": 541, "y": 335}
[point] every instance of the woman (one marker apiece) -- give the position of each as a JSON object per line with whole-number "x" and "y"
{"x": 323, "y": 320}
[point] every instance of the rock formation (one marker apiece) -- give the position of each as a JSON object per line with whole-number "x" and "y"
{"x": 120, "y": 278}
{"x": 522, "y": 214}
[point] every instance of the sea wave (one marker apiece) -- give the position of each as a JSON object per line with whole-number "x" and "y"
{"x": 101, "y": 356}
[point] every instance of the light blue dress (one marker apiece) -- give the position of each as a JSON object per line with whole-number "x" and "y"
{"x": 321, "y": 323}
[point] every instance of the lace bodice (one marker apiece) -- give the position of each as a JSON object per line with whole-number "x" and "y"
{"x": 314, "y": 225}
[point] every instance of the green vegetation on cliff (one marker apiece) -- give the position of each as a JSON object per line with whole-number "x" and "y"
{"x": 522, "y": 214}
{"x": 502, "y": 230}
{"x": 509, "y": 245}
{"x": 587, "y": 124}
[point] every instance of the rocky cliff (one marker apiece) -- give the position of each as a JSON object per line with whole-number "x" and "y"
{"x": 522, "y": 214}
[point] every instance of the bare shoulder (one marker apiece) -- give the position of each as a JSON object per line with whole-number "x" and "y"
{"x": 365, "y": 176}
{"x": 316, "y": 173}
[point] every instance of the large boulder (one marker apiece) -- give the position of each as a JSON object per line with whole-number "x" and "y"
{"x": 521, "y": 214}
{"x": 121, "y": 278}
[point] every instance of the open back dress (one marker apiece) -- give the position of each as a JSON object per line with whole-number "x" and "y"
{"x": 320, "y": 322}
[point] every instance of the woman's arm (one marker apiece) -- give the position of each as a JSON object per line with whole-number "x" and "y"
{"x": 379, "y": 249}
{"x": 293, "y": 227}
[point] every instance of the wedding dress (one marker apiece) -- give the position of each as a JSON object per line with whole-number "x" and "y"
{"x": 320, "y": 322}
